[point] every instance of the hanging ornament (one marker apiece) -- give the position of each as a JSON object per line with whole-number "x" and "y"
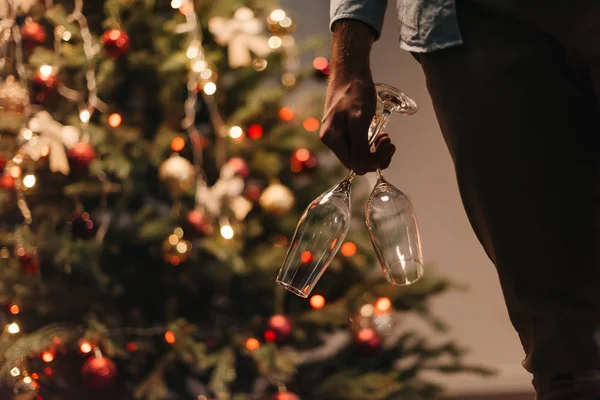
{"x": 279, "y": 328}
{"x": 7, "y": 182}
{"x": 33, "y": 34}
{"x": 242, "y": 34}
{"x": 115, "y": 42}
{"x": 238, "y": 167}
{"x": 177, "y": 174}
{"x": 197, "y": 224}
{"x": 99, "y": 371}
{"x": 367, "y": 343}
{"x": 81, "y": 156}
{"x": 82, "y": 226}
{"x": 25, "y": 388}
{"x": 14, "y": 100}
{"x": 285, "y": 396}
{"x": 44, "y": 83}
{"x": 175, "y": 248}
{"x": 277, "y": 199}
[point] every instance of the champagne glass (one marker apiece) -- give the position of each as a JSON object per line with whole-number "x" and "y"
{"x": 389, "y": 215}
{"x": 324, "y": 224}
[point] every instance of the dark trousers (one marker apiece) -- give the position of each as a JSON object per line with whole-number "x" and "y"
{"x": 519, "y": 108}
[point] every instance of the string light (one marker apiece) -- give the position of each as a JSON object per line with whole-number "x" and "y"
{"x": 47, "y": 356}
{"x": 227, "y": 231}
{"x": 178, "y": 144}
{"x": 85, "y": 347}
{"x": 288, "y": 79}
{"x": 236, "y": 132}
{"x": 169, "y": 337}
{"x": 302, "y": 155}
{"x": 15, "y": 171}
{"x": 286, "y": 22}
{"x": 115, "y": 120}
{"x": 311, "y": 124}
{"x": 84, "y": 116}
{"x": 27, "y": 134}
{"x": 66, "y": 36}
{"x": 46, "y": 71}
{"x": 255, "y": 131}
{"x": 306, "y": 257}
{"x": 317, "y": 301}
{"x": 367, "y": 310}
{"x": 252, "y": 344}
{"x": 348, "y": 249}
{"x": 35, "y": 376}
{"x": 210, "y": 88}
{"x": 286, "y": 114}
{"x": 27, "y": 380}
{"x": 206, "y": 73}
{"x": 15, "y": 371}
{"x": 175, "y": 4}
{"x": 29, "y": 181}
{"x": 320, "y": 63}
{"x": 13, "y": 328}
{"x": 199, "y": 66}
{"x": 383, "y": 304}
{"x": 275, "y": 42}
{"x": 277, "y": 15}
{"x": 192, "y": 52}
{"x": 14, "y": 309}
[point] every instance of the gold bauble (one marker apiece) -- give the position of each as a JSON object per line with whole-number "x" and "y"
{"x": 177, "y": 174}
{"x": 277, "y": 199}
{"x": 14, "y": 100}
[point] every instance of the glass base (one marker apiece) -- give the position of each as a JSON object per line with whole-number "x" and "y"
{"x": 292, "y": 289}
{"x": 405, "y": 278}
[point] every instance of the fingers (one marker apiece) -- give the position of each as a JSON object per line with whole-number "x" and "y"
{"x": 333, "y": 134}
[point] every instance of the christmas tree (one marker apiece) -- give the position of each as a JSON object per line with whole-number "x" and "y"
{"x": 156, "y": 157}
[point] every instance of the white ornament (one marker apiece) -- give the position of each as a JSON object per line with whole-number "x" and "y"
{"x": 242, "y": 34}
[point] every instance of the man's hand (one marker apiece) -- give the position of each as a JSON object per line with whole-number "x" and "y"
{"x": 351, "y": 101}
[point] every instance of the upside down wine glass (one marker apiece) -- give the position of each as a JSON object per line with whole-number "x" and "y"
{"x": 325, "y": 222}
{"x": 389, "y": 215}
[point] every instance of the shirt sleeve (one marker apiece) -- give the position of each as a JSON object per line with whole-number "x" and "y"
{"x": 371, "y": 12}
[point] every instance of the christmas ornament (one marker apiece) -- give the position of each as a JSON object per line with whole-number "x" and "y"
{"x": 25, "y": 389}
{"x": 197, "y": 224}
{"x": 115, "y": 42}
{"x": 82, "y": 226}
{"x": 277, "y": 199}
{"x": 280, "y": 326}
{"x": 81, "y": 156}
{"x": 242, "y": 34}
{"x": 177, "y": 174}
{"x": 367, "y": 342}
{"x": 99, "y": 372}
{"x": 44, "y": 83}
{"x": 238, "y": 166}
{"x": 14, "y": 101}
{"x": 285, "y": 396}
{"x": 7, "y": 182}
{"x": 33, "y": 34}
{"x": 175, "y": 248}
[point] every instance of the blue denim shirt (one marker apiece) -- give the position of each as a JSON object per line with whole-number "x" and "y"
{"x": 425, "y": 25}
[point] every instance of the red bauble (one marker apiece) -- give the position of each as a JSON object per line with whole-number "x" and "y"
{"x": 239, "y": 166}
{"x": 7, "y": 182}
{"x": 33, "y": 34}
{"x": 285, "y": 396}
{"x": 115, "y": 42}
{"x": 367, "y": 342}
{"x": 197, "y": 225}
{"x": 82, "y": 226}
{"x": 280, "y": 326}
{"x": 252, "y": 192}
{"x": 81, "y": 156}
{"x": 99, "y": 372}
{"x": 28, "y": 261}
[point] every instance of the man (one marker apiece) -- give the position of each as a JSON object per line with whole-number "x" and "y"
{"x": 515, "y": 85}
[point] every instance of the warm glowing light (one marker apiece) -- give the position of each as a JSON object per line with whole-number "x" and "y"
{"x": 302, "y": 155}
{"x": 115, "y": 120}
{"x": 367, "y": 310}
{"x": 306, "y": 257}
{"x": 199, "y": 66}
{"x": 15, "y": 371}
{"x": 275, "y": 42}
{"x": 47, "y": 356}
{"x": 27, "y": 134}
{"x": 348, "y": 249}
{"x": 84, "y": 116}
{"x": 14, "y": 309}
{"x": 285, "y": 22}
{"x": 15, "y": 171}
{"x": 45, "y": 71}
{"x": 170, "y": 337}
{"x": 270, "y": 336}
{"x": 173, "y": 239}
{"x": 181, "y": 247}
{"x": 176, "y": 4}
{"x": 206, "y": 73}
{"x": 44, "y": 151}
{"x": 255, "y": 131}
{"x": 236, "y": 132}
{"x": 210, "y": 88}
{"x": 66, "y": 36}
{"x": 13, "y": 328}
{"x": 227, "y": 232}
{"x": 29, "y": 181}
{"x": 320, "y": 63}
{"x": 317, "y": 301}
{"x": 85, "y": 347}
{"x": 132, "y": 346}
{"x": 192, "y": 52}
{"x": 311, "y": 124}
{"x": 286, "y": 114}
{"x": 365, "y": 335}
{"x": 178, "y": 143}
{"x": 35, "y": 375}
{"x": 288, "y": 79}
{"x": 383, "y": 304}
{"x": 48, "y": 371}
{"x": 277, "y": 15}
{"x": 252, "y": 344}
{"x": 27, "y": 380}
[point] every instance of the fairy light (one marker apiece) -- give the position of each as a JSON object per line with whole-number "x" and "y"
{"x": 302, "y": 155}
{"x": 15, "y": 371}
{"x": 206, "y": 73}
{"x": 348, "y": 249}
{"x": 14, "y": 309}
{"x": 175, "y": 4}
{"x": 27, "y": 134}
{"x": 27, "y": 380}
{"x": 288, "y": 79}
{"x": 311, "y": 124}
{"x": 286, "y": 114}
{"x": 15, "y": 171}
{"x": 84, "y": 116}
{"x": 13, "y": 328}
{"x": 85, "y": 347}
{"x": 66, "y": 36}
{"x": 317, "y": 301}
{"x": 285, "y": 22}
{"x": 252, "y": 344}
{"x": 236, "y": 132}
{"x": 192, "y": 52}
{"x": 115, "y": 120}
{"x": 47, "y": 356}
{"x": 177, "y": 144}
{"x": 367, "y": 310}
{"x": 383, "y": 304}
{"x": 199, "y": 66}
{"x": 277, "y": 15}
{"x": 227, "y": 231}
{"x": 29, "y": 181}
{"x": 46, "y": 71}
{"x": 210, "y": 88}
{"x": 275, "y": 42}
{"x": 169, "y": 337}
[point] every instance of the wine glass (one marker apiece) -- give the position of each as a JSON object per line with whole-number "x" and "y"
{"x": 389, "y": 215}
{"x": 324, "y": 223}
